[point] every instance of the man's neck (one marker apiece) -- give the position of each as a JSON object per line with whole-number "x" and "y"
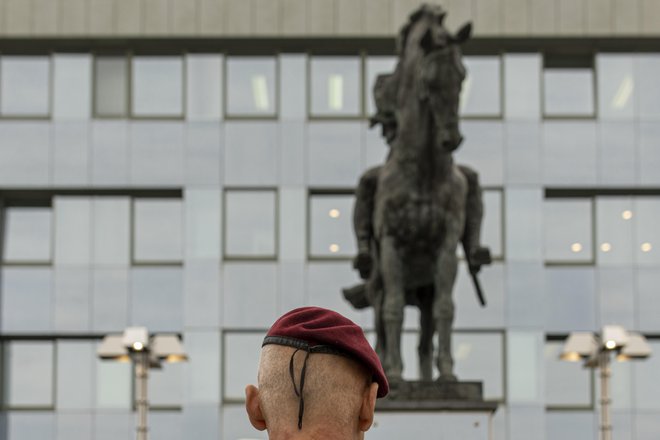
{"x": 320, "y": 433}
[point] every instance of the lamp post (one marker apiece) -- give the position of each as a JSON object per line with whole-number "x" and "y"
{"x": 596, "y": 351}
{"x": 135, "y": 345}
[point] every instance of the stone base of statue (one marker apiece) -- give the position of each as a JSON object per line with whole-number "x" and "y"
{"x": 442, "y": 409}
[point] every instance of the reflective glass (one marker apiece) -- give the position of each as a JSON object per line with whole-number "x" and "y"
{"x": 157, "y": 84}
{"x": 572, "y": 425}
{"x": 251, "y": 153}
{"x": 567, "y": 384}
{"x": 326, "y": 276}
{"x": 25, "y": 85}
{"x": 648, "y": 302}
{"x": 374, "y": 67}
{"x": 110, "y": 153}
{"x": 250, "y": 86}
{"x": 335, "y": 86}
{"x": 648, "y": 154}
{"x": 202, "y": 223}
{"x": 334, "y": 153}
{"x": 72, "y": 299}
{"x": 492, "y": 227}
{"x": 480, "y": 95}
{"x": 241, "y": 363}
{"x": 647, "y": 71}
{"x": 73, "y": 230}
{"x": 522, "y": 86}
{"x": 568, "y": 92}
{"x": 27, "y": 300}
{"x": 70, "y": 152}
{"x": 616, "y": 86}
{"x": 113, "y": 385}
{"x": 166, "y": 385}
{"x": 647, "y": 233}
{"x": 568, "y": 230}
{"x": 31, "y": 425}
{"x": 28, "y": 234}
{"x": 168, "y": 425}
{"x": 293, "y": 87}
{"x": 614, "y": 217}
{"x": 617, "y": 296}
{"x": 110, "y": 299}
{"x": 203, "y": 371}
{"x": 204, "y": 87}
{"x": 483, "y": 150}
{"x": 618, "y": 159}
{"x": 523, "y": 371}
{"x": 247, "y": 284}
{"x": 29, "y": 374}
{"x": 524, "y": 224}
{"x": 110, "y": 86}
{"x": 522, "y": 149}
{"x": 570, "y": 299}
{"x": 75, "y": 374}
{"x": 72, "y": 78}
{"x": 331, "y": 226}
{"x": 157, "y": 230}
{"x": 25, "y": 156}
{"x": 250, "y": 219}
{"x": 163, "y": 140}
{"x": 480, "y": 356}
{"x": 157, "y": 298}
{"x": 570, "y": 153}
{"x": 111, "y": 230}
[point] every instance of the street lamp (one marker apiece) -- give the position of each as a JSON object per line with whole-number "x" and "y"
{"x": 595, "y": 351}
{"x": 135, "y": 345}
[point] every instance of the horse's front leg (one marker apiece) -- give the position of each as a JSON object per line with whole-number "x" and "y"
{"x": 427, "y": 326}
{"x": 443, "y": 310}
{"x": 394, "y": 301}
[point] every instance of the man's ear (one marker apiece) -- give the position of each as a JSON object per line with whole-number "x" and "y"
{"x": 368, "y": 407}
{"x": 253, "y": 407}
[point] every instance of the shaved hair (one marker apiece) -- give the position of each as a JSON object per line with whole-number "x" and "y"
{"x": 333, "y": 392}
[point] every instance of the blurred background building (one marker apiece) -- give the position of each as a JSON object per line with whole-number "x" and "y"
{"x": 189, "y": 166}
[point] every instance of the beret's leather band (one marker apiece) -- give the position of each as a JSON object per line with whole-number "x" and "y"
{"x": 303, "y": 345}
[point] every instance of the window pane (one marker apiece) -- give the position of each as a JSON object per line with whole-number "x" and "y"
{"x": 480, "y": 95}
{"x": 491, "y": 229}
{"x": 614, "y": 217}
{"x": 251, "y": 86}
{"x": 568, "y": 230}
{"x": 522, "y": 85}
{"x": 110, "y": 86}
{"x": 113, "y": 385}
{"x": 480, "y": 356}
{"x": 204, "y": 93}
{"x": 335, "y": 86}
{"x": 376, "y": 66}
{"x": 241, "y": 363}
{"x": 25, "y": 86}
{"x": 616, "y": 86}
{"x": 157, "y": 86}
{"x": 158, "y": 230}
{"x": 250, "y": 223}
{"x": 29, "y": 373}
{"x": 28, "y": 235}
{"x": 647, "y": 71}
{"x": 566, "y": 383}
{"x": 331, "y": 226}
{"x": 568, "y": 92}
{"x": 27, "y": 300}
{"x": 647, "y": 234}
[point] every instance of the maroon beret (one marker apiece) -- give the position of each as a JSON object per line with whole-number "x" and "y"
{"x": 318, "y": 330}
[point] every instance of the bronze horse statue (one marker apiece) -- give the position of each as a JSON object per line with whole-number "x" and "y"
{"x": 412, "y": 212}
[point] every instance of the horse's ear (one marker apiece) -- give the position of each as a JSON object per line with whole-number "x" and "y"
{"x": 427, "y": 40}
{"x": 463, "y": 33}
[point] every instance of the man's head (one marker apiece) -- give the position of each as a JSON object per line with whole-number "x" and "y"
{"x": 318, "y": 378}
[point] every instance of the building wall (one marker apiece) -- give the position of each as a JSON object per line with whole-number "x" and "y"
{"x": 326, "y": 18}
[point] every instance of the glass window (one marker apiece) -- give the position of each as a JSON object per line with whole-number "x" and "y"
{"x": 250, "y": 223}
{"x": 647, "y": 234}
{"x": 335, "y": 86}
{"x": 111, "y": 86}
{"x": 251, "y": 153}
{"x": 113, "y": 385}
{"x": 334, "y": 155}
{"x": 616, "y": 86}
{"x": 157, "y": 86}
{"x": 647, "y": 71}
{"x": 204, "y": 93}
{"x": 566, "y": 383}
{"x": 614, "y": 217}
{"x": 28, "y": 232}
{"x": 331, "y": 226}
{"x": 492, "y": 227}
{"x": 157, "y": 230}
{"x": 73, "y": 229}
{"x": 568, "y": 92}
{"x": 75, "y": 377}
{"x": 251, "y": 86}
{"x": 25, "y": 86}
{"x": 241, "y": 363}
{"x": 522, "y": 85}
{"x": 568, "y": 230}
{"x": 480, "y": 356}
{"x": 376, "y": 66}
{"x": 29, "y": 374}
{"x": 481, "y": 92}
{"x": 27, "y": 300}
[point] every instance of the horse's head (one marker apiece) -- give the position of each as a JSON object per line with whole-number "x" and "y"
{"x": 435, "y": 60}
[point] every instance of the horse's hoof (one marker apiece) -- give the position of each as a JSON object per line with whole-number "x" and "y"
{"x": 447, "y": 378}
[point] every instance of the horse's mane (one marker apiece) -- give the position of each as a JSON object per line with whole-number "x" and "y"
{"x": 425, "y": 9}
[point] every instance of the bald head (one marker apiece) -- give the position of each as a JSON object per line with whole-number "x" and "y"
{"x": 339, "y": 396}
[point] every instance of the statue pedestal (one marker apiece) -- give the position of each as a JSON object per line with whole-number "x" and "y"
{"x": 437, "y": 410}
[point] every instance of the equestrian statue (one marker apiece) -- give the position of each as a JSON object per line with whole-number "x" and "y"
{"x": 412, "y": 212}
